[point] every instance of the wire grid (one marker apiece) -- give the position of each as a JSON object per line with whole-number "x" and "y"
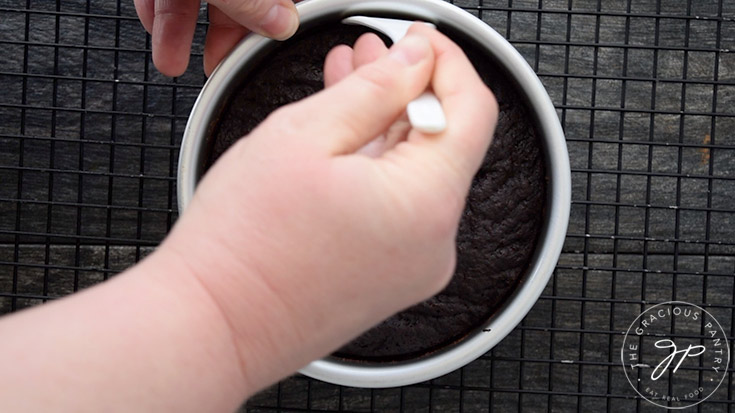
{"x": 90, "y": 132}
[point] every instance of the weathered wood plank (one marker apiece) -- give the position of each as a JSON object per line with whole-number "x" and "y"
{"x": 128, "y": 150}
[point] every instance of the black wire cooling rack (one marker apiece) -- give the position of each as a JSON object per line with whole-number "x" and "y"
{"x": 645, "y": 90}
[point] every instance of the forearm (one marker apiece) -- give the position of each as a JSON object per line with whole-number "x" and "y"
{"x": 282, "y": 256}
{"x": 148, "y": 340}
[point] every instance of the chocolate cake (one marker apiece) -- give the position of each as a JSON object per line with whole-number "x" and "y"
{"x": 501, "y": 222}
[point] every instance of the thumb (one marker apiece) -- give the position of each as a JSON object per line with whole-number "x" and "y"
{"x": 278, "y": 19}
{"x": 363, "y": 105}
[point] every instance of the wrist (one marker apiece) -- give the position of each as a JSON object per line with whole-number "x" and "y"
{"x": 147, "y": 340}
{"x": 190, "y": 307}
{"x": 259, "y": 322}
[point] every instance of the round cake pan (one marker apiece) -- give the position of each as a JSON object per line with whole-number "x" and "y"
{"x": 248, "y": 53}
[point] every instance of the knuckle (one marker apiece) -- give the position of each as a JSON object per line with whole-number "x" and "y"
{"x": 484, "y": 99}
{"x": 446, "y": 221}
{"x": 488, "y": 99}
{"x": 250, "y": 9}
{"x": 445, "y": 271}
{"x": 283, "y": 122}
{"x": 379, "y": 81}
{"x": 172, "y": 9}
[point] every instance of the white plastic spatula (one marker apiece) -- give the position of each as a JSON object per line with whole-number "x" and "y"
{"x": 425, "y": 112}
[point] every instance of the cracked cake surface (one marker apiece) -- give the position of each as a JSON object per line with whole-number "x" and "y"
{"x": 501, "y": 222}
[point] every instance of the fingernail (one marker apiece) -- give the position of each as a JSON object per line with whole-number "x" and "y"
{"x": 280, "y": 22}
{"x": 411, "y": 50}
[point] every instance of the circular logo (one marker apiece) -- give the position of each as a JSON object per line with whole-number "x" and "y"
{"x": 675, "y": 354}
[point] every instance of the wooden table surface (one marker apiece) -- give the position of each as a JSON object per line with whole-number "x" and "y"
{"x": 89, "y": 138}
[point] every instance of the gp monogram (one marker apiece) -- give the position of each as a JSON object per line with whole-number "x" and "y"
{"x": 675, "y": 355}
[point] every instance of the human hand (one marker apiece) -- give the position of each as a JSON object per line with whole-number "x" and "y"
{"x": 171, "y": 24}
{"x": 304, "y": 243}
{"x": 342, "y": 61}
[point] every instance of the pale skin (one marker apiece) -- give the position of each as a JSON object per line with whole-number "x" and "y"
{"x": 295, "y": 242}
{"x": 171, "y": 24}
